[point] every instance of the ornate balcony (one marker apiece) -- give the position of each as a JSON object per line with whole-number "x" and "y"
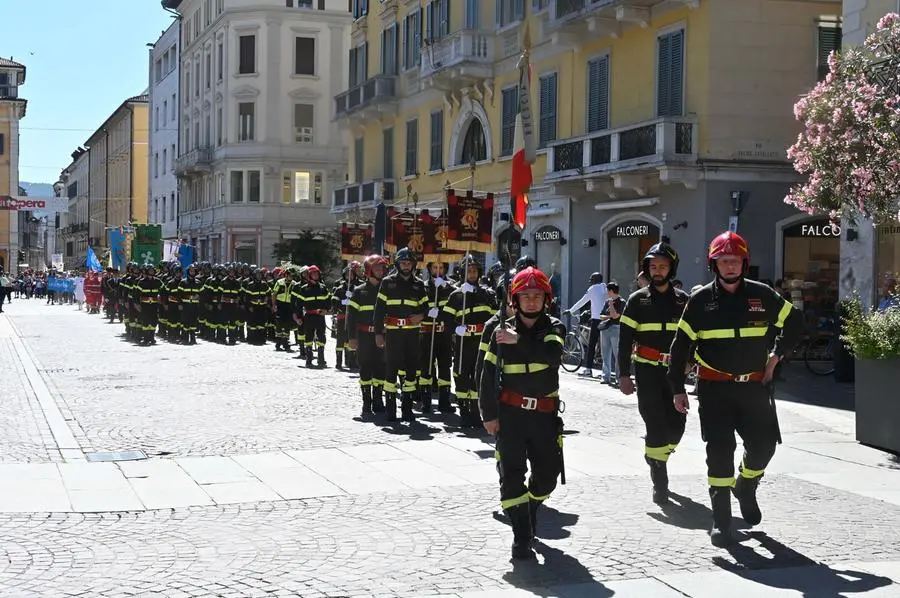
{"x": 462, "y": 59}
{"x": 375, "y": 95}
{"x": 362, "y": 195}
{"x": 627, "y": 157}
{"x": 197, "y": 161}
{"x": 570, "y": 22}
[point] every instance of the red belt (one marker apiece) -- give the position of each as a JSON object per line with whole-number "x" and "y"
{"x": 364, "y": 328}
{"x": 389, "y": 321}
{"x": 315, "y": 312}
{"x": 340, "y": 316}
{"x": 717, "y": 376}
{"x": 652, "y": 354}
{"x": 429, "y": 325}
{"x": 475, "y": 328}
{"x": 542, "y": 404}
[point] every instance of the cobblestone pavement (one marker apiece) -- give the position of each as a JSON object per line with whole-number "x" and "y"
{"x": 423, "y": 543}
{"x": 211, "y": 399}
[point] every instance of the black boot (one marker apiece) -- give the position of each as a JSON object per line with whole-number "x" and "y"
{"x": 339, "y": 360}
{"x": 520, "y": 519}
{"x": 390, "y": 406}
{"x": 745, "y": 491}
{"x": 444, "y": 404}
{"x": 278, "y": 345}
{"x": 659, "y": 475}
{"x": 321, "y": 354}
{"x": 464, "y": 416}
{"x": 720, "y": 534}
{"x": 533, "y": 506}
{"x": 352, "y": 362}
{"x": 367, "y": 402}
{"x": 192, "y": 338}
{"x": 377, "y": 403}
{"x": 309, "y": 362}
{"x": 406, "y": 409}
{"x": 425, "y": 397}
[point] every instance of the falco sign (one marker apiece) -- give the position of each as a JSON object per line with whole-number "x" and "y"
{"x": 15, "y": 203}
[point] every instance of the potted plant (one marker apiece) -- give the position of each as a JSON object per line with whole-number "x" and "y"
{"x": 874, "y": 338}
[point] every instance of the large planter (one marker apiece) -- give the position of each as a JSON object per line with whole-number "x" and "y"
{"x": 878, "y": 403}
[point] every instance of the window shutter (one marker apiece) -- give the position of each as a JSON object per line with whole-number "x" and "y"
{"x": 429, "y": 21}
{"x": 518, "y": 10}
{"x": 417, "y": 45}
{"x": 384, "y": 50}
{"x": 445, "y": 18}
{"x": 2, "y": 144}
{"x": 353, "y": 74}
{"x": 358, "y": 156}
{"x": 437, "y": 140}
{"x": 548, "y": 110}
{"x": 499, "y": 12}
{"x": 406, "y": 64}
{"x": 387, "y": 148}
{"x": 829, "y": 41}
{"x": 663, "y": 75}
{"x": 598, "y": 94}
{"x": 552, "y": 116}
{"x": 676, "y": 88}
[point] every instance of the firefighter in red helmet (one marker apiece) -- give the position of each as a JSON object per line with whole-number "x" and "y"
{"x": 519, "y": 400}
{"x": 737, "y": 330}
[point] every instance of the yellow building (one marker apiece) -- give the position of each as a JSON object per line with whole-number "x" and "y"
{"x": 653, "y": 118}
{"x": 12, "y": 110}
{"x": 117, "y": 168}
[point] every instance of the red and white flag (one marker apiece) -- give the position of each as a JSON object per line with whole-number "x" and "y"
{"x": 523, "y": 146}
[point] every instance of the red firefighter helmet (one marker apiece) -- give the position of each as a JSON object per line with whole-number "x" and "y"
{"x": 528, "y": 279}
{"x": 313, "y": 270}
{"x": 374, "y": 260}
{"x": 728, "y": 244}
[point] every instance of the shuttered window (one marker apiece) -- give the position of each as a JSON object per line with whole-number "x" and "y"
{"x": 389, "y": 50}
{"x": 670, "y": 74}
{"x": 2, "y": 144}
{"x": 437, "y": 20}
{"x": 509, "y": 100}
{"x": 548, "y": 110}
{"x": 472, "y": 7}
{"x": 598, "y": 94}
{"x": 412, "y": 148}
{"x": 829, "y": 40}
{"x": 412, "y": 39}
{"x": 387, "y": 148}
{"x": 437, "y": 140}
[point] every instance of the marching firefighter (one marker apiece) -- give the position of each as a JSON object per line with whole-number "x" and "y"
{"x": 189, "y": 305}
{"x": 647, "y": 327}
{"x": 340, "y": 300}
{"x": 314, "y": 302}
{"x": 436, "y": 342}
{"x": 466, "y": 311}
{"x": 283, "y": 307}
{"x": 229, "y": 293}
{"x": 739, "y": 330}
{"x": 256, "y": 299}
{"x": 399, "y": 311}
{"x": 127, "y": 290}
{"x": 519, "y": 400}
{"x": 361, "y": 331}
{"x": 147, "y": 297}
{"x": 301, "y": 280}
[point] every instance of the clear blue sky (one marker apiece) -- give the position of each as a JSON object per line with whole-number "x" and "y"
{"x": 83, "y": 60}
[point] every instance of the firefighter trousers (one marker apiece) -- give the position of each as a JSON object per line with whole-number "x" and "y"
{"x": 742, "y": 407}
{"x": 664, "y": 425}
{"x": 464, "y": 367}
{"x": 189, "y": 315}
{"x": 441, "y": 360}
{"x": 340, "y": 335}
{"x": 228, "y": 318}
{"x": 149, "y": 319}
{"x": 371, "y": 361}
{"x": 527, "y": 437}
{"x": 284, "y": 321}
{"x": 401, "y": 350}
{"x": 314, "y": 331}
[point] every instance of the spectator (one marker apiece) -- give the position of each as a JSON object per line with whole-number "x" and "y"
{"x": 597, "y": 295}
{"x": 890, "y": 299}
{"x": 609, "y": 335}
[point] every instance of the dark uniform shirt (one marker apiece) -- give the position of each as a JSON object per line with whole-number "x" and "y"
{"x": 148, "y": 290}
{"x": 399, "y": 298}
{"x": 731, "y": 332}
{"x": 479, "y": 307}
{"x": 229, "y": 290}
{"x": 650, "y": 319}
{"x": 189, "y": 291}
{"x": 530, "y": 367}
{"x": 361, "y": 309}
{"x": 314, "y": 296}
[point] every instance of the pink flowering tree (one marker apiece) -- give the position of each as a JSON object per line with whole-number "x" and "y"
{"x": 850, "y": 146}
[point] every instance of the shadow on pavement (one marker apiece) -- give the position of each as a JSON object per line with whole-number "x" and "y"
{"x": 799, "y": 385}
{"x": 787, "y": 569}
{"x": 555, "y": 568}
{"x": 684, "y": 512}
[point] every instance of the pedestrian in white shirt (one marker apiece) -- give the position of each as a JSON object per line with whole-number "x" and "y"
{"x": 597, "y": 295}
{"x": 79, "y": 290}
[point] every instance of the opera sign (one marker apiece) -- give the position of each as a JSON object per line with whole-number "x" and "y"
{"x": 548, "y": 233}
{"x": 816, "y": 229}
{"x": 34, "y": 204}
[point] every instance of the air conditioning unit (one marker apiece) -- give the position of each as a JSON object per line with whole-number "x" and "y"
{"x": 303, "y": 134}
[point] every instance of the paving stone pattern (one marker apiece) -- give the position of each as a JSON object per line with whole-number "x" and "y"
{"x": 209, "y": 399}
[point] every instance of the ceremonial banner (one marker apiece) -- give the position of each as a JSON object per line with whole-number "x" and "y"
{"x": 147, "y": 247}
{"x": 117, "y": 248}
{"x": 470, "y": 221}
{"x": 92, "y": 262}
{"x": 61, "y": 285}
{"x": 185, "y": 256}
{"x": 356, "y": 241}
{"x": 436, "y": 231}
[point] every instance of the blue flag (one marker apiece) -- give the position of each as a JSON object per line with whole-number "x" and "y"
{"x": 92, "y": 262}
{"x": 185, "y": 256}
{"x": 117, "y": 248}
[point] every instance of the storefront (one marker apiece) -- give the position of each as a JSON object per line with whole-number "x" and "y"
{"x": 811, "y": 266}
{"x": 548, "y": 244}
{"x": 627, "y": 243}
{"x": 510, "y": 240}
{"x": 887, "y": 257}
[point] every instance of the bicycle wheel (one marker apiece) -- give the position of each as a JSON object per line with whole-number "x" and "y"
{"x": 573, "y": 353}
{"x": 819, "y": 356}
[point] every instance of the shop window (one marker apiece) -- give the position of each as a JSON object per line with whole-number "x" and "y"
{"x": 628, "y": 242}
{"x": 887, "y": 255}
{"x": 812, "y": 258}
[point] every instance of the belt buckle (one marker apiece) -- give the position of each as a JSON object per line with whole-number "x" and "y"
{"x": 665, "y": 358}
{"x": 742, "y": 378}
{"x": 529, "y": 403}
{"x": 401, "y": 321}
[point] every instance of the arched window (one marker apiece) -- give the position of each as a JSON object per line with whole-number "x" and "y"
{"x": 474, "y": 144}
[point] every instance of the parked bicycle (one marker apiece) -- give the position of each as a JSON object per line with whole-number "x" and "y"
{"x": 816, "y": 349}
{"x": 576, "y": 344}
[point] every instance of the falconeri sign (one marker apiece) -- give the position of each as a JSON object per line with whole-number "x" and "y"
{"x": 633, "y": 228}
{"x": 820, "y": 228}
{"x": 548, "y": 233}
{"x": 15, "y": 203}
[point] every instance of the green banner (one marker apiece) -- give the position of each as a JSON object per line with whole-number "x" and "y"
{"x": 147, "y": 245}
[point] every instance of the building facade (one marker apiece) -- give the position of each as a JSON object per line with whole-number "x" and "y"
{"x": 258, "y": 152}
{"x": 32, "y": 237}
{"x": 653, "y": 118}
{"x": 163, "y": 111}
{"x": 869, "y": 256}
{"x": 72, "y": 228}
{"x": 12, "y": 110}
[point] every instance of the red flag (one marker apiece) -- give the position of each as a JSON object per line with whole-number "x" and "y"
{"x": 523, "y": 150}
